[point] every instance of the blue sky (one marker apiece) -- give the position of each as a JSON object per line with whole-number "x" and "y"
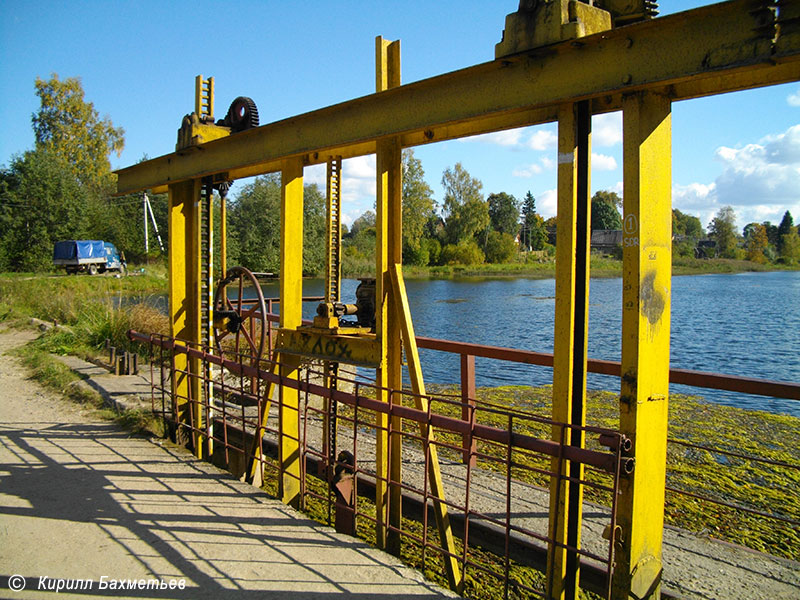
{"x": 138, "y": 60}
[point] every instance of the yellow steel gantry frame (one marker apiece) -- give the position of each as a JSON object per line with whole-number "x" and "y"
{"x": 640, "y": 69}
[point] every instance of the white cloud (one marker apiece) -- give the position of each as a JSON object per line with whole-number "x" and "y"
{"x": 607, "y": 129}
{"x": 763, "y": 173}
{"x": 794, "y": 99}
{"x": 358, "y": 186}
{"x": 509, "y": 138}
{"x": 602, "y": 162}
{"x": 547, "y": 203}
{"x": 527, "y": 171}
{"x": 315, "y": 174}
{"x": 359, "y": 167}
{"x": 545, "y": 164}
{"x": 759, "y": 180}
{"x": 542, "y": 139}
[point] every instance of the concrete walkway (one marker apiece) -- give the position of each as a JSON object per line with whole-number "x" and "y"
{"x": 87, "y": 506}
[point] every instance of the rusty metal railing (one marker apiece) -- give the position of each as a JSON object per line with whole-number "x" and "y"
{"x": 498, "y": 499}
{"x": 457, "y": 416}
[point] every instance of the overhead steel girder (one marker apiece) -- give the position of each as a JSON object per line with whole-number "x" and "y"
{"x": 709, "y": 50}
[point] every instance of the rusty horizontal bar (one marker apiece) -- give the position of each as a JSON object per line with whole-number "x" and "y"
{"x": 731, "y": 383}
{"x": 600, "y": 460}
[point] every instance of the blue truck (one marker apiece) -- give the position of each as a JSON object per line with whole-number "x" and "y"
{"x": 88, "y": 256}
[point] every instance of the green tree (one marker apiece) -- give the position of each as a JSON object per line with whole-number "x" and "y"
{"x": 786, "y": 225}
{"x": 756, "y": 243}
{"x": 41, "y": 204}
{"x": 723, "y": 230}
{"x": 71, "y": 127}
{"x": 500, "y": 247}
{"x": 790, "y": 247}
{"x": 418, "y": 208}
{"x": 772, "y": 234}
{"x": 365, "y": 220}
{"x": 254, "y": 225}
{"x": 120, "y": 220}
{"x": 315, "y": 230}
{"x": 504, "y": 213}
{"x": 466, "y": 213}
{"x": 604, "y": 210}
{"x": 686, "y": 226}
{"x": 528, "y": 207}
{"x": 611, "y": 198}
{"x": 533, "y": 232}
{"x": 686, "y": 230}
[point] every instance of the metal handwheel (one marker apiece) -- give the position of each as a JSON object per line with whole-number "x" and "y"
{"x": 240, "y": 320}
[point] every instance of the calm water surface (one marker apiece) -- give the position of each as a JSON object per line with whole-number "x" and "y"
{"x": 745, "y": 324}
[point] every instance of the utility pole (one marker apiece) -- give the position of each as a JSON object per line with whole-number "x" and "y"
{"x": 144, "y": 213}
{"x": 155, "y": 225}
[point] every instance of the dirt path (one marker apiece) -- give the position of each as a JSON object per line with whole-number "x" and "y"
{"x": 83, "y": 502}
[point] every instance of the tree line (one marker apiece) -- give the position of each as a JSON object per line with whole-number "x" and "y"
{"x": 62, "y": 189}
{"x": 758, "y": 242}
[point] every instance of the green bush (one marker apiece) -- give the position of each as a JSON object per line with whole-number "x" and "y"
{"x": 500, "y": 247}
{"x": 463, "y": 253}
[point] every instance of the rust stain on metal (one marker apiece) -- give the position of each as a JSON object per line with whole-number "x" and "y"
{"x": 652, "y": 302}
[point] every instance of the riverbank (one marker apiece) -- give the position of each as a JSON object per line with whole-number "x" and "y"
{"x": 600, "y": 267}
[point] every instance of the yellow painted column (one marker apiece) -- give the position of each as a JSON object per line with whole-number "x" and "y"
{"x": 646, "y": 279}
{"x": 291, "y": 295}
{"x": 184, "y": 288}
{"x": 570, "y": 340}
{"x": 388, "y": 250}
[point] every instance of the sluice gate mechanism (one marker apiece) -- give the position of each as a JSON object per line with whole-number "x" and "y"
{"x": 558, "y": 61}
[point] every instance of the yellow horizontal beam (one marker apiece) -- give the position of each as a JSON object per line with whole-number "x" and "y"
{"x": 709, "y": 50}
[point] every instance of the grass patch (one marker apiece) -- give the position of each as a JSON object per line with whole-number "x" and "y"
{"x": 59, "y": 378}
{"x": 93, "y": 308}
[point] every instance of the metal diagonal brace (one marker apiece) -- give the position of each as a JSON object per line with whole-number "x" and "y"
{"x": 454, "y": 575}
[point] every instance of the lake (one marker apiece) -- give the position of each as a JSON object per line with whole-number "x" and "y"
{"x": 745, "y": 324}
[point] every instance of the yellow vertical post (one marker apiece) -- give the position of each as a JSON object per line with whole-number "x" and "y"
{"x": 291, "y": 294}
{"x": 388, "y": 250}
{"x": 223, "y": 232}
{"x": 646, "y": 279}
{"x": 184, "y": 296}
{"x": 196, "y": 284}
{"x": 403, "y": 314}
{"x": 571, "y": 325}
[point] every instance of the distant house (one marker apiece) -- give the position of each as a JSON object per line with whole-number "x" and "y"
{"x": 606, "y": 240}
{"x": 705, "y": 249}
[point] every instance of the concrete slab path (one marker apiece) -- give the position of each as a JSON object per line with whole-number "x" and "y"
{"x": 84, "y": 503}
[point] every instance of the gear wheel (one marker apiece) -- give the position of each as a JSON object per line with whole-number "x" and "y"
{"x": 242, "y": 115}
